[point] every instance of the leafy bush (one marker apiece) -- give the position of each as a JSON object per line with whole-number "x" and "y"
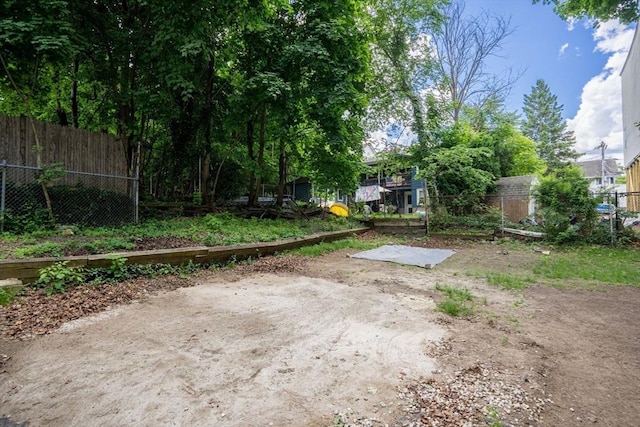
{"x": 90, "y": 207}
{"x": 55, "y": 278}
{"x": 568, "y": 210}
{"x": 119, "y": 271}
{"x": 490, "y": 219}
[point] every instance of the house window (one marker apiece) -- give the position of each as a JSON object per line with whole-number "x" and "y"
{"x": 420, "y": 197}
{"x": 598, "y": 181}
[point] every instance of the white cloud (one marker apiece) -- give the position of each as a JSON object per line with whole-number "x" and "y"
{"x": 562, "y": 50}
{"x": 599, "y": 117}
{"x": 571, "y": 23}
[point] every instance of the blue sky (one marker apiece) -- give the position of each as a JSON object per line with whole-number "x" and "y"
{"x": 535, "y": 48}
{"x": 580, "y": 63}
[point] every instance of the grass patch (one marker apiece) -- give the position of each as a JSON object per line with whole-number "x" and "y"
{"x": 508, "y": 281}
{"x": 454, "y": 308}
{"x": 349, "y": 243}
{"x": 593, "y": 264}
{"x": 461, "y": 294}
{"x": 458, "y": 301}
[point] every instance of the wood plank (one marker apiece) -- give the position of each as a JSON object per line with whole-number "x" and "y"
{"x": 29, "y": 269}
{"x": 155, "y": 256}
{"x": 526, "y": 233}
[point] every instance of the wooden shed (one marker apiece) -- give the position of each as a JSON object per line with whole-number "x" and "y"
{"x": 514, "y": 196}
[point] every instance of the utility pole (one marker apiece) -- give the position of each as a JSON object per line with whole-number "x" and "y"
{"x": 603, "y": 164}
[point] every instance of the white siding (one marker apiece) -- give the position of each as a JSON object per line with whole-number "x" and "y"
{"x": 631, "y": 101}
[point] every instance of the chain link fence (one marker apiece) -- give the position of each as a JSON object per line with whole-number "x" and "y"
{"x": 621, "y": 209}
{"x": 617, "y": 213}
{"x": 76, "y": 198}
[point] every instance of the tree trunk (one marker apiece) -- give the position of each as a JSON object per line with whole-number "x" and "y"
{"x": 418, "y": 116}
{"x": 215, "y": 181}
{"x": 204, "y": 178}
{"x": 206, "y": 119}
{"x": 253, "y": 195}
{"x": 261, "y": 145}
{"x": 282, "y": 172}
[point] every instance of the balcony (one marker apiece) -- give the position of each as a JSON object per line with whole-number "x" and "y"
{"x": 397, "y": 181}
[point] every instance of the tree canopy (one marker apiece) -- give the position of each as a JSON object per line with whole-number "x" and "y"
{"x": 270, "y": 89}
{"x": 226, "y": 97}
{"x": 627, "y": 11}
{"x": 544, "y": 124}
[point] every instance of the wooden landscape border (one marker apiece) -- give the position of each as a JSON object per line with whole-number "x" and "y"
{"x": 28, "y": 270}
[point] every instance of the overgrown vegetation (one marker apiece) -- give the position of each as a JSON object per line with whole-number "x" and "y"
{"x": 210, "y": 230}
{"x": 7, "y": 295}
{"x": 568, "y": 210}
{"x": 489, "y": 219}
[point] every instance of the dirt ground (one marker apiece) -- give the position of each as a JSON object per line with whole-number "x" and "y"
{"x": 338, "y": 341}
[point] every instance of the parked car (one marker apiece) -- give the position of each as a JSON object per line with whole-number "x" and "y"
{"x": 605, "y": 208}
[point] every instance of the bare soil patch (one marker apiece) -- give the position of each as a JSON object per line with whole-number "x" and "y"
{"x": 299, "y": 341}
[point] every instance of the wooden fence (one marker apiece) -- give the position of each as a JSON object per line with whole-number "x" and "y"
{"x": 514, "y": 207}
{"x": 77, "y": 149}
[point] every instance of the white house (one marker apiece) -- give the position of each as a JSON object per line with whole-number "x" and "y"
{"x": 601, "y": 174}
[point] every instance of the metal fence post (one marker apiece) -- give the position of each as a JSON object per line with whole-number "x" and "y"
{"x": 502, "y": 215}
{"x": 136, "y": 198}
{"x": 3, "y": 195}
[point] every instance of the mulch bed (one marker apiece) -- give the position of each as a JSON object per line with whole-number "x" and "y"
{"x": 35, "y": 313}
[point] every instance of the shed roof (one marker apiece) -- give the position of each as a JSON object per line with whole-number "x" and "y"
{"x": 516, "y": 185}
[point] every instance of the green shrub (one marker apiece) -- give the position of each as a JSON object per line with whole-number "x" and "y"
{"x": 489, "y": 219}
{"x": 55, "y": 278}
{"x": 568, "y": 210}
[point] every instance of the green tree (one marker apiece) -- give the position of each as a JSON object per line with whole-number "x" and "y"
{"x": 568, "y": 210}
{"x": 513, "y": 153}
{"x": 543, "y": 123}
{"x": 627, "y": 11}
{"x": 402, "y": 61}
{"x": 260, "y": 87}
{"x": 460, "y": 169}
